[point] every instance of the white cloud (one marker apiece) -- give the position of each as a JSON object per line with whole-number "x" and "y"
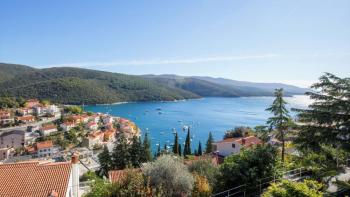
{"x": 165, "y": 61}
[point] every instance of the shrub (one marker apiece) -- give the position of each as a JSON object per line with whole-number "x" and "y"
{"x": 308, "y": 188}
{"x": 169, "y": 174}
{"x": 201, "y": 186}
{"x": 205, "y": 168}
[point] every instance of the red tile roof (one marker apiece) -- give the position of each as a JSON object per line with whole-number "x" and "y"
{"x": 245, "y": 141}
{"x": 118, "y": 175}
{"x": 32, "y": 179}
{"x": 46, "y": 144}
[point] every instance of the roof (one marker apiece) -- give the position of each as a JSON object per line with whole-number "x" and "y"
{"x": 115, "y": 176}
{"x": 32, "y": 179}
{"x": 30, "y": 117}
{"x": 49, "y": 127}
{"x": 245, "y": 141}
{"x": 95, "y": 134}
{"x": 45, "y": 144}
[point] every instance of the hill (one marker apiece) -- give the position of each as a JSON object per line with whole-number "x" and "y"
{"x": 209, "y": 87}
{"x": 76, "y": 86}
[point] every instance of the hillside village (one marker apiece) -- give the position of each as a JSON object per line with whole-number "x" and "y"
{"x": 43, "y": 131}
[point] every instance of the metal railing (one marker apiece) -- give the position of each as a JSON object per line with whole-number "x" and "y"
{"x": 245, "y": 190}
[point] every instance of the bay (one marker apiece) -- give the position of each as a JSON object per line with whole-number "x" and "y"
{"x": 205, "y": 115}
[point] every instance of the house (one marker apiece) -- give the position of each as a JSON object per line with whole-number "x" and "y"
{"x": 32, "y": 103}
{"x": 48, "y": 129}
{"x": 14, "y": 139}
{"x": 24, "y": 111}
{"x": 93, "y": 139}
{"x": 66, "y": 126}
{"x": 53, "y": 110}
{"x": 25, "y": 119}
{"x": 107, "y": 120}
{"x": 95, "y": 118}
{"x": 109, "y": 135}
{"x": 34, "y": 179}
{"x": 41, "y": 149}
{"x": 117, "y": 176}
{"x": 84, "y": 118}
{"x": 91, "y": 126}
{"x": 6, "y": 153}
{"x": 5, "y": 117}
{"x": 234, "y": 145}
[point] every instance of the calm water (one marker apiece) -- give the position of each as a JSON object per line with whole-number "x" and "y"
{"x": 209, "y": 114}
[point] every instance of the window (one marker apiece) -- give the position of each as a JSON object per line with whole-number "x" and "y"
{"x": 233, "y": 145}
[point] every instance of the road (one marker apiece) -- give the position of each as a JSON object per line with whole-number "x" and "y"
{"x": 24, "y": 127}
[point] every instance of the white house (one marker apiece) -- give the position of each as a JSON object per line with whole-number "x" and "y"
{"x": 92, "y": 126}
{"x": 48, "y": 129}
{"x": 230, "y": 146}
{"x": 66, "y": 126}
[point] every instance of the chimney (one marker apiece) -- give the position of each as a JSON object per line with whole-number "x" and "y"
{"x": 75, "y": 174}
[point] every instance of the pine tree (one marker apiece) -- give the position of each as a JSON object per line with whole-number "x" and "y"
{"x": 105, "y": 161}
{"x": 280, "y": 119}
{"x": 146, "y": 150}
{"x": 200, "y": 152}
{"x": 121, "y": 154}
{"x": 135, "y": 152}
{"x": 180, "y": 150}
{"x": 176, "y": 144}
{"x": 209, "y": 145}
{"x": 187, "y": 149}
{"x": 327, "y": 120}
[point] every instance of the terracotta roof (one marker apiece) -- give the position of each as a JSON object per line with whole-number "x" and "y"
{"x": 245, "y": 141}
{"x": 95, "y": 134}
{"x": 25, "y": 118}
{"x": 32, "y": 179}
{"x": 49, "y": 127}
{"x": 46, "y": 144}
{"x": 115, "y": 176}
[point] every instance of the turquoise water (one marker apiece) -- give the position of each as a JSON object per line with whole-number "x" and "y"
{"x": 204, "y": 115}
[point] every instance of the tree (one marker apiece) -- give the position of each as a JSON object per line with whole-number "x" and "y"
{"x": 135, "y": 152}
{"x": 201, "y": 187}
{"x": 287, "y": 188}
{"x": 280, "y": 119}
{"x": 248, "y": 167}
{"x": 176, "y": 144}
{"x": 170, "y": 174}
{"x": 200, "y": 152}
{"x": 205, "y": 168}
{"x": 327, "y": 119}
{"x": 105, "y": 161}
{"x": 180, "y": 150}
{"x": 121, "y": 154}
{"x": 146, "y": 150}
{"x": 187, "y": 149}
{"x": 238, "y": 132}
{"x": 158, "y": 150}
{"x": 209, "y": 145}
{"x": 73, "y": 109}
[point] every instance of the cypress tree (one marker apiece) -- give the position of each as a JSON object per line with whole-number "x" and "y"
{"x": 180, "y": 150}
{"x": 176, "y": 144}
{"x": 209, "y": 145}
{"x": 280, "y": 119}
{"x": 135, "y": 152}
{"x": 121, "y": 154}
{"x": 146, "y": 146}
{"x": 105, "y": 161}
{"x": 200, "y": 152}
{"x": 158, "y": 150}
{"x": 187, "y": 148}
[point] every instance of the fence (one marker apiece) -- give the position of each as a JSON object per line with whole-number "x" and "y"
{"x": 245, "y": 190}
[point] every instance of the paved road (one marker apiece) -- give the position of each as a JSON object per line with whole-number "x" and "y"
{"x": 24, "y": 127}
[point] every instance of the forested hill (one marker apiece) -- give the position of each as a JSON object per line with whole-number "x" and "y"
{"x": 76, "y": 86}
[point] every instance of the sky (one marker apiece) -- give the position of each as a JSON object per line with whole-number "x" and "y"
{"x": 285, "y": 41}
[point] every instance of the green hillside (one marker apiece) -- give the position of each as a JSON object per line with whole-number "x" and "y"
{"x": 76, "y": 86}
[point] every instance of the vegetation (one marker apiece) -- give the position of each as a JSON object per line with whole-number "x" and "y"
{"x": 11, "y": 102}
{"x": 248, "y": 167}
{"x": 285, "y": 188}
{"x": 169, "y": 174}
{"x": 73, "y": 109}
{"x": 238, "y": 132}
{"x": 205, "y": 168}
{"x": 105, "y": 161}
{"x": 187, "y": 148}
{"x": 176, "y": 144}
{"x": 280, "y": 119}
{"x": 209, "y": 144}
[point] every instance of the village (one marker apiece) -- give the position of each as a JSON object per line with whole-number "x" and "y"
{"x": 42, "y": 131}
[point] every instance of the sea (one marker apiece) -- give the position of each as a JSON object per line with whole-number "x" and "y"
{"x": 217, "y": 115}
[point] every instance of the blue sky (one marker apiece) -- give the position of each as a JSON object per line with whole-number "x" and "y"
{"x": 262, "y": 41}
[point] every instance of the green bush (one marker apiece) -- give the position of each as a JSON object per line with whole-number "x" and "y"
{"x": 286, "y": 188}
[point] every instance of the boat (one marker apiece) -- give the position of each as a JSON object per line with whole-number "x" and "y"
{"x": 159, "y": 109}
